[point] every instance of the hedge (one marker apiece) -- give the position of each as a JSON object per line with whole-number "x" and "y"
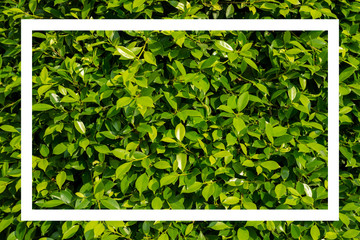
{"x": 253, "y": 77}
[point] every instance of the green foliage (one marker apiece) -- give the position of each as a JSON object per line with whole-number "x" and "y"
{"x": 114, "y": 111}
{"x": 11, "y": 12}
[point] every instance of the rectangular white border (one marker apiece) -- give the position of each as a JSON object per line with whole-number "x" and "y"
{"x": 29, "y": 214}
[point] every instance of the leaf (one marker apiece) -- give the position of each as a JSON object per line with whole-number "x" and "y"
{"x": 295, "y": 2}
{"x": 295, "y": 231}
{"x": 181, "y": 68}
{"x": 243, "y": 101}
{"x": 269, "y": 132}
{"x": 168, "y": 179}
{"x": 99, "y": 190}
{"x": 262, "y": 88}
{"x": 168, "y": 140}
{"x": 208, "y": 191}
{"x": 142, "y": 182}
{"x": 127, "y": 53}
{"x": 110, "y": 203}
{"x": 218, "y": 226}
{"x": 122, "y": 102}
{"x": 292, "y": 93}
{"x": 180, "y": 132}
{"x": 345, "y": 74}
{"x": 102, "y": 149}
{"x": 307, "y": 190}
{"x": 162, "y": 165}
{"x": 251, "y": 63}
{"x": 150, "y": 58}
{"x": 223, "y": 46}
{"x": 243, "y": 233}
{"x": 171, "y": 100}
{"x": 351, "y": 233}
{"x": 122, "y": 170}
{"x": 59, "y": 149}
{"x": 156, "y": 203}
{"x": 40, "y": 107}
{"x": 9, "y": 128}
{"x": 280, "y": 190}
{"x": 145, "y": 101}
{"x": 238, "y": 124}
{"x": 222, "y": 154}
{"x": 138, "y": 3}
{"x": 270, "y": 165}
{"x": 84, "y": 143}
{"x": 153, "y": 133}
{"x": 181, "y": 159}
{"x": 60, "y": 179}
{"x": 231, "y": 200}
{"x": 315, "y": 232}
{"x": 80, "y": 127}
{"x": 70, "y": 232}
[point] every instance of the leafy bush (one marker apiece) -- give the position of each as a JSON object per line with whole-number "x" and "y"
{"x": 11, "y": 12}
{"x": 180, "y": 120}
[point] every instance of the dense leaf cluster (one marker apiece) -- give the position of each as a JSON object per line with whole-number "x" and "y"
{"x": 12, "y": 11}
{"x": 180, "y": 120}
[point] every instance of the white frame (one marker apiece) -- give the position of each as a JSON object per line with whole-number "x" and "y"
{"x": 30, "y": 214}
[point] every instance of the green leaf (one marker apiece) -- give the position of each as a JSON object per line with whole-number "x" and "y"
{"x": 171, "y": 100}
{"x": 223, "y": 46}
{"x": 218, "y": 226}
{"x": 295, "y": 231}
{"x": 138, "y": 3}
{"x": 70, "y": 232}
{"x": 162, "y": 165}
{"x": 351, "y": 233}
{"x": 269, "y": 132}
{"x": 345, "y": 74}
{"x": 231, "y": 200}
{"x": 122, "y": 170}
{"x": 295, "y": 2}
{"x": 156, "y": 203}
{"x": 180, "y": 132}
{"x": 9, "y": 128}
{"x": 243, "y": 101}
{"x": 251, "y": 63}
{"x": 270, "y": 165}
{"x": 307, "y": 190}
{"x": 99, "y": 190}
{"x": 150, "y": 58}
{"x": 168, "y": 179}
{"x": 145, "y": 101}
{"x": 208, "y": 191}
{"x": 222, "y": 154}
{"x": 80, "y": 127}
{"x": 102, "y": 149}
{"x": 238, "y": 124}
{"x": 110, "y": 203}
{"x": 33, "y": 5}
{"x": 280, "y": 190}
{"x": 292, "y": 93}
{"x": 315, "y": 232}
{"x": 122, "y": 102}
{"x": 243, "y": 234}
{"x": 331, "y": 235}
{"x": 262, "y": 88}
{"x": 181, "y": 159}
{"x": 59, "y": 149}
{"x": 60, "y": 179}
{"x": 84, "y": 143}
{"x": 142, "y": 182}
{"x": 127, "y": 53}
{"x": 40, "y": 107}
{"x": 181, "y": 68}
